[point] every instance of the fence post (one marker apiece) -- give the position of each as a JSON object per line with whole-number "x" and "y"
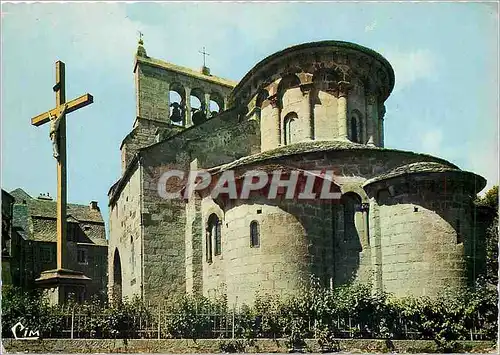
{"x": 234, "y": 309}
{"x": 72, "y": 321}
{"x": 159, "y": 321}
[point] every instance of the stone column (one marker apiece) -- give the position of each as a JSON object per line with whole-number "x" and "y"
{"x": 306, "y": 111}
{"x": 166, "y": 88}
{"x": 207, "y": 105}
{"x": 187, "y": 101}
{"x": 343, "y": 90}
{"x": 381, "y": 125}
{"x": 370, "y": 118}
{"x": 276, "y": 119}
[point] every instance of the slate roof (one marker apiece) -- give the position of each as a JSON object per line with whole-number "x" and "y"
{"x": 45, "y": 230}
{"x": 311, "y": 147}
{"x": 36, "y": 220}
{"x": 46, "y": 208}
{"x": 425, "y": 167}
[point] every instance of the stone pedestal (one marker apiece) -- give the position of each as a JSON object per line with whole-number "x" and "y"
{"x": 61, "y": 285}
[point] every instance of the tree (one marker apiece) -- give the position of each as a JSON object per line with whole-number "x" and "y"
{"x": 490, "y": 200}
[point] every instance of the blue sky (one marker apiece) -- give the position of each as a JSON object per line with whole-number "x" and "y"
{"x": 445, "y": 56}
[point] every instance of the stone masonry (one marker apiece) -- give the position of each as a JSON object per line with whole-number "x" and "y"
{"x": 403, "y": 223}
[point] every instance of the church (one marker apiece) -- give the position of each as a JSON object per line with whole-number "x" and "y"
{"x": 404, "y": 223}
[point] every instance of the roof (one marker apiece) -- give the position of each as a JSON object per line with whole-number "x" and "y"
{"x": 425, "y": 167}
{"x": 187, "y": 71}
{"x": 315, "y": 45}
{"x": 45, "y": 230}
{"x": 312, "y": 147}
{"x": 48, "y": 209}
{"x": 42, "y": 214}
{"x": 117, "y": 187}
{"x": 6, "y": 196}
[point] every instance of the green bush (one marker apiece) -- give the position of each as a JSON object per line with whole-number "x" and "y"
{"x": 314, "y": 312}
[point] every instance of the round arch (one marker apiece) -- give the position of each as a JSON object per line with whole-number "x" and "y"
{"x": 117, "y": 276}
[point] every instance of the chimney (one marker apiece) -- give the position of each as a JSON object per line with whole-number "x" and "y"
{"x": 44, "y": 197}
{"x": 93, "y": 205}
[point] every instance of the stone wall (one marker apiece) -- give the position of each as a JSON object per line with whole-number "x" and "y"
{"x": 325, "y": 110}
{"x": 126, "y": 240}
{"x": 425, "y": 242}
{"x": 210, "y": 346}
{"x": 155, "y": 79}
{"x": 337, "y": 243}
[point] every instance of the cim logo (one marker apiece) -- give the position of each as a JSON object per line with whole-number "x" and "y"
{"x": 24, "y": 333}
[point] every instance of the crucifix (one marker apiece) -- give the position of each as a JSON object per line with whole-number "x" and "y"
{"x": 204, "y": 54}
{"x": 57, "y": 119}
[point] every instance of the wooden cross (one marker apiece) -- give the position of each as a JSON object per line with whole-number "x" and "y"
{"x": 73, "y": 105}
{"x": 204, "y": 54}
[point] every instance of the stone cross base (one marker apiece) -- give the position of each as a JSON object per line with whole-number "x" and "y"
{"x": 63, "y": 285}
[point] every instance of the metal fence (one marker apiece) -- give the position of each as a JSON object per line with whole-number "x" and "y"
{"x": 157, "y": 323}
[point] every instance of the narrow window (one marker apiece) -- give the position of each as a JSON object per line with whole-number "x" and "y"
{"x": 213, "y": 236}
{"x": 82, "y": 256}
{"x": 217, "y": 237}
{"x": 254, "y": 234}
{"x": 289, "y": 127}
{"x": 460, "y": 237}
{"x": 354, "y": 129}
{"x": 46, "y": 255}
{"x": 208, "y": 246}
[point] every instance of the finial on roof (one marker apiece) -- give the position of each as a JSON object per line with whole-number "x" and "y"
{"x": 141, "y": 51}
{"x": 141, "y": 42}
{"x": 204, "y": 69}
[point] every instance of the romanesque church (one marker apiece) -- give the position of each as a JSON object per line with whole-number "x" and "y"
{"x": 404, "y": 223}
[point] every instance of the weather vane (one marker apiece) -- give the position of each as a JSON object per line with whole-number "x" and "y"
{"x": 140, "y": 37}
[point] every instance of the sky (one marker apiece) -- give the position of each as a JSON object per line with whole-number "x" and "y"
{"x": 445, "y": 58}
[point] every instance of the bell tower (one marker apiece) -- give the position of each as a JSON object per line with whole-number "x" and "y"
{"x": 169, "y": 99}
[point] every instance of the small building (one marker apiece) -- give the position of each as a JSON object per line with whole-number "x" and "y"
{"x": 7, "y": 206}
{"x": 34, "y": 241}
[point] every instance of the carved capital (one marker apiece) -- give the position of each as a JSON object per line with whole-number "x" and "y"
{"x": 273, "y": 101}
{"x": 343, "y": 88}
{"x": 306, "y": 88}
{"x": 371, "y": 99}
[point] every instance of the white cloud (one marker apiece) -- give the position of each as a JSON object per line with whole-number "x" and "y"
{"x": 412, "y": 66}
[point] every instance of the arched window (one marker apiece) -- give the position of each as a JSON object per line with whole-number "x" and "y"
{"x": 254, "y": 234}
{"x": 198, "y": 106}
{"x": 213, "y": 234}
{"x": 216, "y": 104}
{"x": 117, "y": 277}
{"x": 177, "y": 102}
{"x": 356, "y": 127}
{"x": 354, "y": 130}
{"x": 289, "y": 128}
{"x": 352, "y": 209}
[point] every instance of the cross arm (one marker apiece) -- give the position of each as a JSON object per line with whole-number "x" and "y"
{"x": 73, "y": 105}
